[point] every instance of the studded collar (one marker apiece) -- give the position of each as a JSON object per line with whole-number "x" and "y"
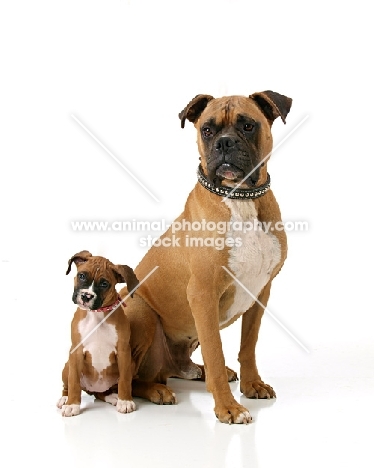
{"x": 229, "y": 192}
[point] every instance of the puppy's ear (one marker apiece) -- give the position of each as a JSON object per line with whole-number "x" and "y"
{"x": 78, "y": 258}
{"x": 125, "y": 274}
{"x": 194, "y": 108}
{"x": 273, "y": 104}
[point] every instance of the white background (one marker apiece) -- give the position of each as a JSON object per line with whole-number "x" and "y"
{"x": 126, "y": 69}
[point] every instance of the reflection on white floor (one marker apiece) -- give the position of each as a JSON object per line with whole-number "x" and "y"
{"x": 322, "y": 417}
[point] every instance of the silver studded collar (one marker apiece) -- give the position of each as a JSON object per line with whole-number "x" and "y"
{"x": 238, "y": 194}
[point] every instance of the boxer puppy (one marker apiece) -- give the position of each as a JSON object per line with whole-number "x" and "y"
{"x": 100, "y": 355}
{"x": 211, "y": 272}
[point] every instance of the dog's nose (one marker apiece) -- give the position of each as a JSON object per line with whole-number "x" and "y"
{"x": 86, "y": 297}
{"x": 225, "y": 143}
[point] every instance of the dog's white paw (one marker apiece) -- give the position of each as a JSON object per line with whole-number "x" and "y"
{"x": 60, "y": 403}
{"x": 70, "y": 410}
{"x": 125, "y": 406}
{"x": 243, "y": 418}
{"x": 112, "y": 398}
{"x": 233, "y": 413}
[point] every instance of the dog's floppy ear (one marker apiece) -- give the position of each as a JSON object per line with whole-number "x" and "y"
{"x": 273, "y": 104}
{"x": 194, "y": 108}
{"x": 78, "y": 258}
{"x": 125, "y": 274}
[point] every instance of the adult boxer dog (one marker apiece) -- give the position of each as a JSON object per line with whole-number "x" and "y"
{"x": 208, "y": 278}
{"x": 100, "y": 355}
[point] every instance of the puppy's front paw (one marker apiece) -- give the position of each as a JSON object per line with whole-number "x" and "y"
{"x": 125, "y": 406}
{"x": 60, "y": 403}
{"x": 70, "y": 410}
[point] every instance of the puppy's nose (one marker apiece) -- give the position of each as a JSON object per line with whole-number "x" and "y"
{"x": 225, "y": 143}
{"x": 86, "y": 297}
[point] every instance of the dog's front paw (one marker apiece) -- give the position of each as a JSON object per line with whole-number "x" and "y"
{"x": 70, "y": 410}
{"x": 233, "y": 413}
{"x": 60, "y": 403}
{"x": 257, "y": 389}
{"x": 125, "y": 406}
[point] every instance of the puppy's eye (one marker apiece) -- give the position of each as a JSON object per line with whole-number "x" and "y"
{"x": 248, "y": 127}
{"x": 207, "y": 132}
{"x": 81, "y": 276}
{"x": 104, "y": 284}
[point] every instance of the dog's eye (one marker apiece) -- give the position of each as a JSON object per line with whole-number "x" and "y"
{"x": 207, "y": 132}
{"x": 104, "y": 284}
{"x": 248, "y": 127}
{"x": 82, "y": 276}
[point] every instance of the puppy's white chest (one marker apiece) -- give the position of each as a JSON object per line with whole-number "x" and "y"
{"x": 101, "y": 342}
{"x": 253, "y": 259}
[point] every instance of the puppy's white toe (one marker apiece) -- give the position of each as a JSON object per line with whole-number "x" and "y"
{"x": 112, "y": 399}
{"x": 70, "y": 410}
{"x": 125, "y": 406}
{"x": 60, "y": 403}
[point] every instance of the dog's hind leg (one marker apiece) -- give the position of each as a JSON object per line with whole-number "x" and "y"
{"x": 157, "y": 393}
{"x": 180, "y": 359}
{"x": 150, "y": 354}
{"x": 187, "y": 369}
{"x": 232, "y": 376}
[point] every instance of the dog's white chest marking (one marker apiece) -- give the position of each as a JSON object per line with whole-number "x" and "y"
{"x": 101, "y": 343}
{"x": 253, "y": 261}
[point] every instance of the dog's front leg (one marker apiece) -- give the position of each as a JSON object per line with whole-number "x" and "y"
{"x": 72, "y": 405}
{"x": 251, "y": 384}
{"x": 125, "y": 403}
{"x": 204, "y": 307}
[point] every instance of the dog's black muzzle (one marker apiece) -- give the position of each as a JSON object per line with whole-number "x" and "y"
{"x": 231, "y": 160}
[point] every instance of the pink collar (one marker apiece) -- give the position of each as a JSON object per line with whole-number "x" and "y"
{"x": 111, "y": 307}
